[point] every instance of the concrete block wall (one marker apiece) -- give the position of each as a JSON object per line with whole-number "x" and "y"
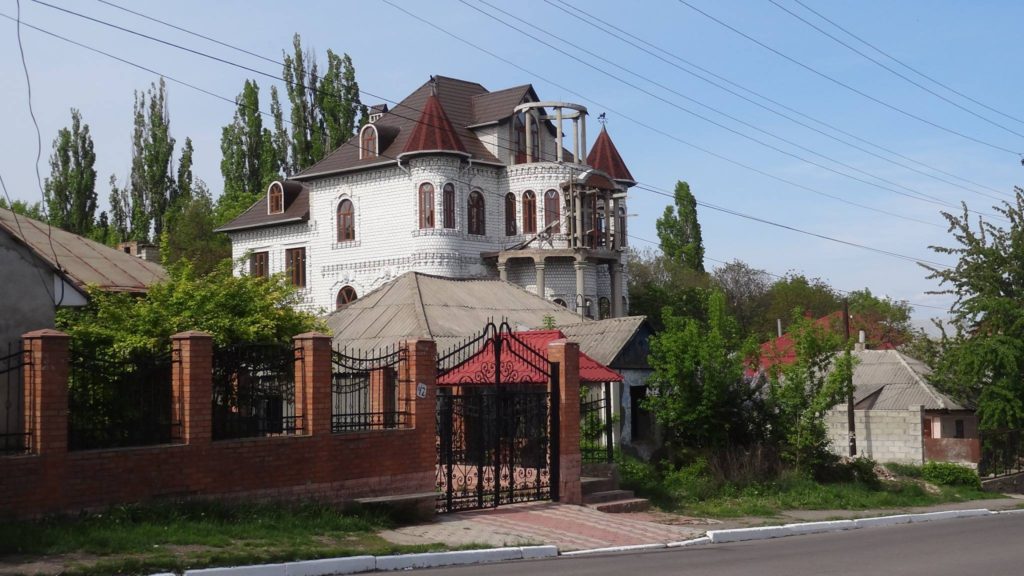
{"x": 883, "y": 435}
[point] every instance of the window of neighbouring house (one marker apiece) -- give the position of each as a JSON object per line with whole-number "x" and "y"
{"x": 958, "y": 431}
{"x": 295, "y": 265}
{"x": 552, "y": 212}
{"x": 426, "y": 205}
{"x": 926, "y": 428}
{"x": 620, "y": 229}
{"x": 476, "y": 222}
{"x": 368, "y": 142}
{"x": 529, "y": 212}
{"x": 448, "y": 205}
{"x": 259, "y": 264}
{"x": 346, "y": 221}
{"x": 275, "y": 199}
{"x": 604, "y": 308}
{"x": 510, "y": 214}
{"x": 345, "y": 295}
{"x": 561, "y": 302}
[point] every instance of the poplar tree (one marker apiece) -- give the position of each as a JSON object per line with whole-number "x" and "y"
{"x": 679, "y": 230}
{"x": 250, "y": 160}
{"x": 70, "y": 191}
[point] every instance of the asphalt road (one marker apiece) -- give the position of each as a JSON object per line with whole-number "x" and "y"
{"x": 988, "y": 545}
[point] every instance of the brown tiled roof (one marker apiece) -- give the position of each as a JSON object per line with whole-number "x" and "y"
{"x": 495, "y": 106}
{"x": 433, "y": 132}
{"x": 296, "y": 209}
{"x": 606, "y": 158}
{"x": 80, "y": 260}
{"x": 455, "y": 97}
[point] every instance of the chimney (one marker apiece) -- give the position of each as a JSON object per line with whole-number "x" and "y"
{"x": 861, "y": 345}
{"x": 778, "y": 326}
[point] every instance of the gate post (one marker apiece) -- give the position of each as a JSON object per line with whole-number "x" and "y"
{"x": 313, "y": 386}
{"x": 192, "y": 384}
{"x": 565, "y": 355}
{"x": 45, "y": 394}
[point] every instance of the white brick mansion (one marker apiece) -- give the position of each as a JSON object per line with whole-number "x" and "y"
{"x": 454, "y": 181}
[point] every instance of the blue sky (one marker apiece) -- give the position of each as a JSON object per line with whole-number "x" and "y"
{"x": 970, "y": 46}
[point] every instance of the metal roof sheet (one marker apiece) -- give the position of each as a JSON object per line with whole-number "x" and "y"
{"x": 890, "y": 380}
{"x": 80, "y": 260}
{"x": 604, "y": 340}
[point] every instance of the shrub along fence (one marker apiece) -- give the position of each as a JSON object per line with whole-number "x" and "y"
{"x": 1002, "y": 453}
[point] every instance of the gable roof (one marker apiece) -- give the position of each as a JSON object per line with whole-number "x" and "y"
{"x": 782, "y": 350}
{"x": 433, "y": 132}
{"x": 79, "y": 260}
{"x": 454, "y": 96}
{"x": 469, "y": 371}
{"x": 604, "y": 340}
{"x": 296, "y": 209}
{"x": 447, "y": 310}
{"x": 606, "y": 158}
{"x": 498, "y": 105}
{"x": 891, "y": 380}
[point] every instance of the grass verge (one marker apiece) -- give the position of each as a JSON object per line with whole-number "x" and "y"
{"x": 179, "y": 536}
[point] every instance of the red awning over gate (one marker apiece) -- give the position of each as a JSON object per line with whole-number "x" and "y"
{"x": 479, "y": 368}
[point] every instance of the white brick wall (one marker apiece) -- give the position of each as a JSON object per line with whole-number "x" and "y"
{"x": 388, "y": 241}
{"x": 884, "y": 435}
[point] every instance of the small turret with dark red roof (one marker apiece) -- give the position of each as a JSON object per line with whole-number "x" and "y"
{"x": 605, "y": 157}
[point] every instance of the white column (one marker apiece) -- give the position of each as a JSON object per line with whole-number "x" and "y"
{"x": 558, "y": 133}
{"x": 529, "y": 136}
{"x": 576, "y": 138}
{"x": 583, "y": 137}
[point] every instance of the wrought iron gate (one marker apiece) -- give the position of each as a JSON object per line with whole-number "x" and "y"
{"x": 497, "y": 423}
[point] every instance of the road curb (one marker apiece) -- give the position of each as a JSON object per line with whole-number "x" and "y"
{"x": 360, "y": 564}
{"x": 611, "y": 549}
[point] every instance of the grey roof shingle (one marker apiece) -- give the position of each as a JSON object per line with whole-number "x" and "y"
{"x": 890, "y": 380}
{"x": 604, "y": 340}
{"x": 81, "y": 261}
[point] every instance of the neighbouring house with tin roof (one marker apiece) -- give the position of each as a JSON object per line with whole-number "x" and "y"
{"x": 45, "y": 268}
{"x": 455, "y": 181}
{"x": 900, "y": 417}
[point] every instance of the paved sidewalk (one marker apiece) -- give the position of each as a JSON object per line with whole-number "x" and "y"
{"x": 566, "y": 526}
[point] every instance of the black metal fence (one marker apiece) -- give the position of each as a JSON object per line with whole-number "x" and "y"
{"x": 118, "y": 400}
{"x": 1002, "y": 453}
{"x": 596, "y": 423}
{"x": 367, "y": 392}
{"x": 13, "y": 438}
{"x": 254, "y": 391}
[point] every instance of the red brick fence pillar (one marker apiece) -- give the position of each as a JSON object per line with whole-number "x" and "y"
{"x": 313, "y": 374}
{"x": 192, "y": 385}
{"x": 46, "y": 390}
{"x": 567, "y": 355}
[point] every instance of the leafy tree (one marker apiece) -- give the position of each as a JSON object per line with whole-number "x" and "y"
{"x": 885, "y": 321}
{"x": 812, "y": 295}
{"x": 183, "y": 186}
{"x": 697, "y": 387}
{"x": 746, "y": 292}
{"x": 34, "y": 210}
{"x": 230, "y": 308}
{"x": 71, "y": 188}
{"x": 802, "y": 392}
{"x": 138, "y": 208}
{"x": 323, "y": 108}
{"x": 189, "y": 233}
{"x": 983, "y": 361}
{"x": 679, "y": 230}
{"x": 655, "y": 282}
{"x": 249, "y": 159}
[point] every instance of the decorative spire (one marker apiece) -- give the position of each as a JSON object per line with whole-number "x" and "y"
{"x": 433, "y": 130}
{"x": 605, "y": 157}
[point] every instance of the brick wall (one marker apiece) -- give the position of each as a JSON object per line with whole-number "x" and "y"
{"x": 319, "y": 464}
{"x": 884, "y": 435}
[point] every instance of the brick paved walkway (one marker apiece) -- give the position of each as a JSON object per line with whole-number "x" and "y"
{"x": 568, "y": 527}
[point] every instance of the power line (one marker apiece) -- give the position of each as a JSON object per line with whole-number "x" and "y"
{"x": 641, "y": 186}
{"x": 895, "y": 72}
{"x": 636, "y": 41}
{"x": 919, "y": 195}
{"x": 845, "y": 85}
{"x": 279, "y": 78}
{"x": 905, "y": 65}
{"x": 783, "y": 277}
{"x": 39, "y": 140}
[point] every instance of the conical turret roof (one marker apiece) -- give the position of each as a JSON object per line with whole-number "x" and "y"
{"x": 433, "y": 131}
{"x": 605, "y": 157}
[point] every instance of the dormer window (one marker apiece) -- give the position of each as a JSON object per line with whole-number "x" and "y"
{"x": 275, "y": 199}
{"x": 368, "y": 142}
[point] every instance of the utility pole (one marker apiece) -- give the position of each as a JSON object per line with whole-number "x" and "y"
{"x": 850, "y": 424}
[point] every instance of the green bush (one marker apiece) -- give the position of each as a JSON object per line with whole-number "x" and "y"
{"x": 692, "y": 482}
{"x": 906, "y": 470}
{"x": 949, "y": 474}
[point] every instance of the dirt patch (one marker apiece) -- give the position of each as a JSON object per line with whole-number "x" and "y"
{"x": 47, "y": 565}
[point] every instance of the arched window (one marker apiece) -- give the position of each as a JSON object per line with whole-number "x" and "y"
{"x": 448, "y": 206}
{"x": 476, "y": 223}
{"x": 510, "y": 214}
{"x": 561, "y": 303}
{"x": 588, "y": 308}
{"x": 529, "y": 212}
{"x": 345, "y": 295}
{"x": 346, "y": 221}
{"x": 604, "y": 308}
{"x": 368, "y": 143}
{"x": 426, "y": 205}
{"x": 275, "y": 199}
{"x": 552, "y": 212}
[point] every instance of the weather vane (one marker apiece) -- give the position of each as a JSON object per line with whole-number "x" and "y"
{"x": 601, "y": 118}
